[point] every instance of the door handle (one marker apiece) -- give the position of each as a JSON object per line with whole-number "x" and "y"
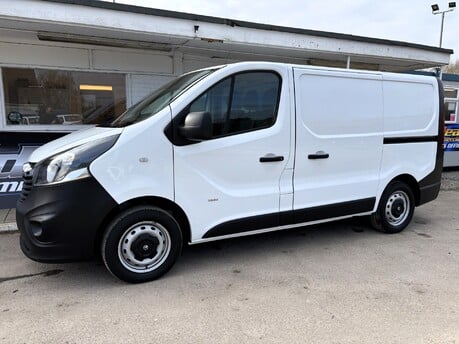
{"x": 318, "y": 155}
{"x": 271, "y": 158}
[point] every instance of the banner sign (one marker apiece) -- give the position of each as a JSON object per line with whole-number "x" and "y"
{"x": 15, "y": 150}
{"x": 451, "y": 138}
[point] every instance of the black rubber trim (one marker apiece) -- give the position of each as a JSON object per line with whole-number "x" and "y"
{"x": 239, "y": 23}
{"x": 334, "y": 210}
{"x": 409, "y": 139}
{"x": 284, "y": 218}
{"x": 429, "y": 187}
{"x": 246, "y": 224}
{"x": 428, "y": 193}
{"x": 318, "y": 156}
{"x": 271, "y": 158}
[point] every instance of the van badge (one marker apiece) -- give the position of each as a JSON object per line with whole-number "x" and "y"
{"x": 143, "y": 159}
{"x": 212, "y": 200}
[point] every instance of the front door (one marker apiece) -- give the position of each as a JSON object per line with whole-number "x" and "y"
{"x": 230, "y": 183}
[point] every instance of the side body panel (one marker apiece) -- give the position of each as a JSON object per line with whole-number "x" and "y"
{"x": 340, "y": 114}
{"x": 140, "y": 163}
{"x": 411, "y": 127}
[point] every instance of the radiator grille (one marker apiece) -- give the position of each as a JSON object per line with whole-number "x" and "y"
{"x": 26, "y": 187}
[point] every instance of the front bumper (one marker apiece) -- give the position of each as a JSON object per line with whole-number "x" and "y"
{"x": 60, "y": 222}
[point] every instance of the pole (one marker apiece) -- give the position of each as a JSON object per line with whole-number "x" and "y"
{"x": 441, "y": 31}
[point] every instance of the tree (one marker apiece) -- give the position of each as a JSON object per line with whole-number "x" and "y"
{"x": 453, "y": 68}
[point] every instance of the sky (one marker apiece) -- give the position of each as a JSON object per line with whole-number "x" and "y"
{"x": 408, "y": 20}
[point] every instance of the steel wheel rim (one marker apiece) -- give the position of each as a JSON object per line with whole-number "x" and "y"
{"x": 397, "y": 208}
{"x": 148, "y": 233}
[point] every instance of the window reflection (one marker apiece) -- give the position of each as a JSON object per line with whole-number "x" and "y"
{"x": 55, "y": 97}
{"x": 241, "y": 103}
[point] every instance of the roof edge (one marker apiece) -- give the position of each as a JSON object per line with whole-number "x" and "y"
{"x": 245, "y": 24}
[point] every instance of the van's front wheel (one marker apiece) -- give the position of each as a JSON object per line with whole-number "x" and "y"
{"x": 395, "y": 210}
{"x": 141, "y": 244}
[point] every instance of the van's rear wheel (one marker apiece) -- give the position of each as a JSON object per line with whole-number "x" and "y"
{"x": 141, "y": 244}
{"x": 395, "y": 209}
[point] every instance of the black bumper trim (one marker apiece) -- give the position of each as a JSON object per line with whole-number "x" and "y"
{"x": 428, "y": 193}
{"x": 69, "y": 216}
{"x": 429, "y": 187}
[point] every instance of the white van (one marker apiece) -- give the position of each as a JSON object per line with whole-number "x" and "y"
{"x": 234, "y": 150}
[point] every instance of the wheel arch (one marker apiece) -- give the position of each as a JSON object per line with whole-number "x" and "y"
{"x": 160, "y": 202}
{"x": 412, "y": 183}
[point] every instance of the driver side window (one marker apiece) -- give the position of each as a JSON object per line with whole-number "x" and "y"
{"x": 216, "y": 102}
{"x": 240, "y": 103}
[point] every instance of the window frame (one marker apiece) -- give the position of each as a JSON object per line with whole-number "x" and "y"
{"x": 171, "y": 130}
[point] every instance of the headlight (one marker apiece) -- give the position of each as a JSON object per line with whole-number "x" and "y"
{"x": 72, "y": 164}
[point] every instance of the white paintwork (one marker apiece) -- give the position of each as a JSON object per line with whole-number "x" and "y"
{"x": 341, "y": 112}
{"x": 416, "y": 113}
{"x": 72, "y": 140}
{"x": 140, "y": 163}
{"x": 413, "y": 114}
{"x": 415, "y": 159}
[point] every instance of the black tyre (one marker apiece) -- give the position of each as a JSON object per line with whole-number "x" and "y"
{"x": 141, "y": 244}
{"x": 395, "y": 209}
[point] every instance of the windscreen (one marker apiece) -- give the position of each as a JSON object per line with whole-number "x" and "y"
{"x": 159, "y": 99}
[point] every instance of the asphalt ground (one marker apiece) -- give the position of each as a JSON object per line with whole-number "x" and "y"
{"x": 336, "y": 283}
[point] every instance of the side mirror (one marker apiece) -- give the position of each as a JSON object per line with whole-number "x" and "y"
{"x": 15, "y": 117}
{"x": 197, "y": 127}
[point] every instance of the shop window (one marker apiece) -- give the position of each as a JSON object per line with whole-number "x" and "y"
{"x": 450, "y": 93}
{"x": 451, "y": 105}
{"x": 450, "y": 109}
{"x": 56, "y": 97}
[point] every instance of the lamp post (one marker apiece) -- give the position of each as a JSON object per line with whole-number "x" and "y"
{"x": 436, "y": 10}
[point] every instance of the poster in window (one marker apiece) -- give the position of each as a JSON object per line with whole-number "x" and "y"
{"x": 451, "y": 137}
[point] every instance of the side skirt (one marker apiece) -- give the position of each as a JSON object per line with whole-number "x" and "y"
{"x": 273, "y": 229}
{"x": 290, "y": 219}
